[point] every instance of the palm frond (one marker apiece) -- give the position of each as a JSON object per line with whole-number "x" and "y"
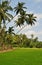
{"x": 19, "y": 8}
{"x": 11, "y": 16}
{"x": 25, "y": 7}
{"x": 5, "y": 3}
{"x": 34, "y": 20}
{"x": 10, "y": 8}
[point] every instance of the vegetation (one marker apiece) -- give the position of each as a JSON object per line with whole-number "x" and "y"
{"x": 8, "y": 38}
{"x": 26, "y": 51}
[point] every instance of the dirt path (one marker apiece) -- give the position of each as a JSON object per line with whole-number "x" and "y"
{"x": 7, "y": 50}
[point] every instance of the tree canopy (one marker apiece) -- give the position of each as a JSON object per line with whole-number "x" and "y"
{"x": 8, "y": 36}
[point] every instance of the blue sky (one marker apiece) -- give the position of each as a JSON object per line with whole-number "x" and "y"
{"x": 33, "y": 6}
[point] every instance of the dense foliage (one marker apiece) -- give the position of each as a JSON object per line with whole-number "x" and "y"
{"x": 8, "y": 38}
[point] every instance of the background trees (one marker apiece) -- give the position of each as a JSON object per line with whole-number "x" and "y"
{"x": 8, "y": 36}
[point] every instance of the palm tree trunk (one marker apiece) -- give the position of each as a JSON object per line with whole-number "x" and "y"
{"x": 15, "y": 25}
{"x": 21, "y": 29}
{"x": 12, "y": 19}
{"x": 0, "y": 25}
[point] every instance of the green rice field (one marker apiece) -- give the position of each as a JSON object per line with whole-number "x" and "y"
{"x": 21, "y": 56}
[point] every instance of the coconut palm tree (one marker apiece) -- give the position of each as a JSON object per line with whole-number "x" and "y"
{"x": 10, "y": 30}
{"x": 21, "y": 19}
{"x": 31, "y": 19}
{"x": 19, "y": 8}
{"x": 4, "y": 15}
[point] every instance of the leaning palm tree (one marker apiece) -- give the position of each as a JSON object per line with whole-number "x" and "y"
{"x": 4, "y": 15}
{"x": 30, "y": 19}
{"x": 21, "y": 19}
{"x": 19, "y": 9}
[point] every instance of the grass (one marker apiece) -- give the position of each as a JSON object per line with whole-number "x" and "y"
{"x": 21, "y": 57}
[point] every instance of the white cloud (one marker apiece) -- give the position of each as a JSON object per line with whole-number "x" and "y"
{"x": 29, "y": 32}
{"x": 39, "y": 16}
{"x": 36, "y": 34}
{"x": 39, "y": 33}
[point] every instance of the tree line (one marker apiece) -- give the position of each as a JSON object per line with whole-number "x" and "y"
{"x": 8, "y": 38}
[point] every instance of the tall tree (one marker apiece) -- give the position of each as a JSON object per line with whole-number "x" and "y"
{"x": 4, "y": 15}
{"x": 30, "y": 19}
{"x": 23, "y": 16}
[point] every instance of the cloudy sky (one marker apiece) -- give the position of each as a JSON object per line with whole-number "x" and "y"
{"x": 33, "y": 6}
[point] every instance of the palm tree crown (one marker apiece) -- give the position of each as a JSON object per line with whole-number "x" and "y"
{"x": 31, "y": 19}
{"x": 10, "y": 30}
{"x": 19, "y": 8}
{"x": 28, "y": 18}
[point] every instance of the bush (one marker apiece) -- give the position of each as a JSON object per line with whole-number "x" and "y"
{"x": 39, "y": 45}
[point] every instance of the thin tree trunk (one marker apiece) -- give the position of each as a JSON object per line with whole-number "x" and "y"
{"x": 21, "y": 29}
